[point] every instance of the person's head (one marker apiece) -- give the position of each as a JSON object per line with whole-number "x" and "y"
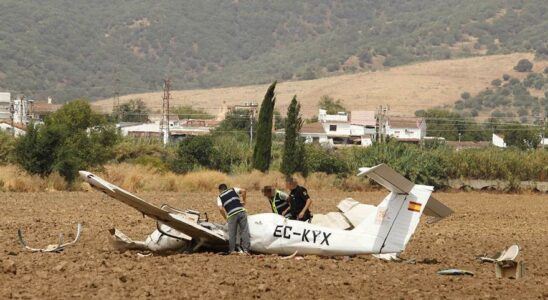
{"x": 290, "y": 183}
{"x": 222, "y": 187}
{"x": 268, "y": 191}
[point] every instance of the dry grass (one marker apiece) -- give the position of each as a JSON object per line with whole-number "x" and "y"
{"x": 139, "y": 178}
{"x": 405, "y": 89}
{"x": 13, "y": 179}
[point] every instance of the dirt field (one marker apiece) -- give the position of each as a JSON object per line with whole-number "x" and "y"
{"x": 483, "y": 223}
{"x": 406, "y": 88}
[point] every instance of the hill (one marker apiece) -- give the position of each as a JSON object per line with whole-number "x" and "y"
{"x": 90, "y": 49}
{"x": 406, "y": 88}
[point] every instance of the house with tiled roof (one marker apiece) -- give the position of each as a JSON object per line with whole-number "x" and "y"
{"x": 406, "y": 129}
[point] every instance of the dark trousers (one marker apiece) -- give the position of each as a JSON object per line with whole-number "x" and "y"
{"x": 235, "y": 222}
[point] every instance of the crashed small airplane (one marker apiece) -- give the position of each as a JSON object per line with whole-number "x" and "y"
{"x": 356, "y": 229}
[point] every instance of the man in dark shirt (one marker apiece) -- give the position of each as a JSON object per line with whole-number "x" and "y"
{"x": 299, "y": 201}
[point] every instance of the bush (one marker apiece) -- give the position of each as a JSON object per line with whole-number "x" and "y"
{"x": 524, "y": 65}
{"x": 7, "y": 147}
{"x": 319, "y": 159}
{"x": 193, "y": 151}
{"x": 423, "y": 167}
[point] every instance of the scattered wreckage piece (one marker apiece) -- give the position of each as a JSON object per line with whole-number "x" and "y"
{"x": 455, "y": 272}
{"x": 509, "y": 254}
{"x": 505, "y": 262}
{"x": 56, "y": 248}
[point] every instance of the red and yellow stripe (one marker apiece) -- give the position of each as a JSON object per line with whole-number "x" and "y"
{"x": 414, "y": 206}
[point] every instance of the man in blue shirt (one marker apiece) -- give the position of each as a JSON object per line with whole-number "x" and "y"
{"x": 232, "y": 209}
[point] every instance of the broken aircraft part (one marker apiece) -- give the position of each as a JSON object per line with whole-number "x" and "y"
{"x": 54, "y": 247}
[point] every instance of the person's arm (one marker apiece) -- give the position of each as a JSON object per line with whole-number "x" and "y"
{"x": 221, "y": 208}
{"x": 288, "y": 209}
{"x": 305, "y": 208}
{"x": 243, "y": 193}
{"x": 223, "y": 212}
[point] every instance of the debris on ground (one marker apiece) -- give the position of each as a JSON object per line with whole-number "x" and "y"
{"x": 455, "y": 272}
{"x": 56, "y": 248}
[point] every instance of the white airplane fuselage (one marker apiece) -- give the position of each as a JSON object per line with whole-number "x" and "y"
{"x": 274, "y": 234}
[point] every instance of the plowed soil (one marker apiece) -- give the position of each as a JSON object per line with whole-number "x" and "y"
{"x": 483, "y": 223}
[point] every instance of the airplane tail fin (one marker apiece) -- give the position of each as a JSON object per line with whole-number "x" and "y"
{"x": 396, "y": 218}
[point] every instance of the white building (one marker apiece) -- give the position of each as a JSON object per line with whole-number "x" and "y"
{"x": 315, "y": 133}
{"x": 498, "y": 141}
{"x": 19, "y": 109}
{"x": 355, "y": 128}
{"x": 177, "y": 129}
{"x": 5, "y": 103}
{"x": 16, "y": 130}
{"x": 406, "y": 129}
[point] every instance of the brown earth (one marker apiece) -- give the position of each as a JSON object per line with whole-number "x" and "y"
{"x": 483, "y": 223}
{"x": 405, "y": 88}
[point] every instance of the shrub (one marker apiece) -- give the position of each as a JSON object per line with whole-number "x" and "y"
{"x": 524, "y": 65}
{"x": 7, "y": 147}
{"x": 319, "y": 159}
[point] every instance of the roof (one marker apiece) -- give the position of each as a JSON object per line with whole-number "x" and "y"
{"x": 44, "y": 107}
{"x": 400, "y": 122}
{"x": 198, "y": 123}
{"x": 312, "y": 128}
{"x": 16, "y": 125}
{"x": 362, "y": 117}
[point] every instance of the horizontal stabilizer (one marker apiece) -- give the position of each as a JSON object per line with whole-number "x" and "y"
{"x": 388, "y": 178}
{"x": 434, "y": 208}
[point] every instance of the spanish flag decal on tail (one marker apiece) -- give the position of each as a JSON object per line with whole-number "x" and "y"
{"x": 414, "y": 206}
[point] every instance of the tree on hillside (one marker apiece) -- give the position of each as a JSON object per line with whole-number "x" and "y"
{"x": 524, "y": 65}
{"x": 72, "y": 138}
{"x": 263, "y": 147}
{"x": 135, "y": 110}
{"x": 331, "y": 105}
{"x": 293, "y": 152}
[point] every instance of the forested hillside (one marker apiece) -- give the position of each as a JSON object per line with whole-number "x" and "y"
{"x": 77, "y": 48}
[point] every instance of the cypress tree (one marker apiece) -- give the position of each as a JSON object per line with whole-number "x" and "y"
{"x": 263, "y": 147}
{"x": 293, "y": 154}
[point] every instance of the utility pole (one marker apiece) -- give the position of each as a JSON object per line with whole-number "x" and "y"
{"x": 542, "y": 136}
{"x": 381, "y": 122}
{"x": 21, "y": 109}
{"x": 251, "y": 128}
{"x": 164, "y": 123}
{"x": 116, "y": 99}
{"x": 12, "y": 116}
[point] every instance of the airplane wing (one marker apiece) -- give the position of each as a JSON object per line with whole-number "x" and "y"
{"x": 203, "y": 235}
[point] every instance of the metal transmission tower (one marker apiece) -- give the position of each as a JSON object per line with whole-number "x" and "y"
{"x": 164, "y": 123}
